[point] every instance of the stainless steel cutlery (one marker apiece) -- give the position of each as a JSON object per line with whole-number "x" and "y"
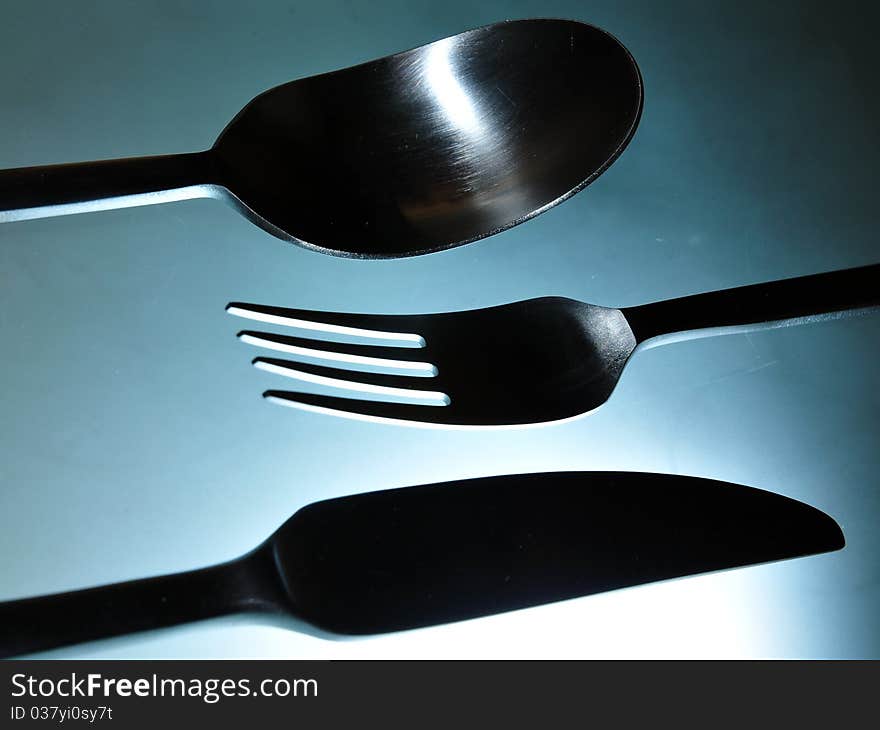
{"x": 528, "y": 362}
{"x": 420, "y": 556}
{"x": 419, "y": 151}
{"x": 412, "y": 153}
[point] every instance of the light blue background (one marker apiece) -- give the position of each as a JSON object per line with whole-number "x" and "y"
{"x": 134, "y": 440}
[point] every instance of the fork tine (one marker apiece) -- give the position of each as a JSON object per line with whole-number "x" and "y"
{"x": 364, "y": 409}
{"x": 377, "y": 383}
{"x": 394, "y": 327}
{"x": 410, "y": 360}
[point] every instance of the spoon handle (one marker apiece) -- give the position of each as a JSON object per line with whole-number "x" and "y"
{"x": 41, "y": 192}
{"x": 804, "y": 296}
{"x": 45, "y": 622}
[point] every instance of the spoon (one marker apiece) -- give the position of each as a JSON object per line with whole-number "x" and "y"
{"x": 419, "y": 556}
{"x": 408, "y": 154}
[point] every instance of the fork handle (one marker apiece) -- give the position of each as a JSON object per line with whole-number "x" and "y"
{"x": 46, "y": 622}
{"x": 804, "y": 296}
{"x": 42, "y": 192}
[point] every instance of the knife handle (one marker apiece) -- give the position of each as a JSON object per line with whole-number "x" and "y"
{"x": 804, "y": 296}
{"x": 43, "y": 192}
{"x": 46, "y": 622}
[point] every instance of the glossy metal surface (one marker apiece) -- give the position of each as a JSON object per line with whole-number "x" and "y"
{"x": 416, "y": 152}
{"x": 421, "y": 556}
{"x": 528, "y": 362}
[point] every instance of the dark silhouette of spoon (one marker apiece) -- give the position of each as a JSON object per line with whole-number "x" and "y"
{"x": 412, "y": 153}
{"x": 404, "y": 558}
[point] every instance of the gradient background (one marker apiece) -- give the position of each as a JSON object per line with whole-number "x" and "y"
{"x": 134, "y": 440}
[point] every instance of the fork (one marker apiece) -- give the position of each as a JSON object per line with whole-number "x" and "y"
{"x": 420, "y": 556}
{"x": 527, "y": 362}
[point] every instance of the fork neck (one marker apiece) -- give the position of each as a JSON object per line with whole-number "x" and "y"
{"x": 806, "y": 297}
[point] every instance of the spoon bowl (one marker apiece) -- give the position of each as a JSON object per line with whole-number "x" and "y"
{"x": 436, "y": 146}
{"x": 412, "y": 153}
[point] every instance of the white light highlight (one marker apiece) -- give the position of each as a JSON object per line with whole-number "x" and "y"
{"x": 414, "y": 340}
{"x": 417, "y": 397}
{"x": 387, "y": 421}
{"x": 190, "y": 192}
{"x": 448, "y": 92}
{"x": 417, "y": 368}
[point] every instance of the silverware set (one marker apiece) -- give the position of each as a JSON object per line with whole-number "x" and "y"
{"x": 455, "y": 141}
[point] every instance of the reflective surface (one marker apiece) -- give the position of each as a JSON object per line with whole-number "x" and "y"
{"x": 436, "y": 146}
{"x": 408, "y": 154}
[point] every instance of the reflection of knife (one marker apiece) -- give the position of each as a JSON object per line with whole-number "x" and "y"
{"x": 402, "y": 558}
